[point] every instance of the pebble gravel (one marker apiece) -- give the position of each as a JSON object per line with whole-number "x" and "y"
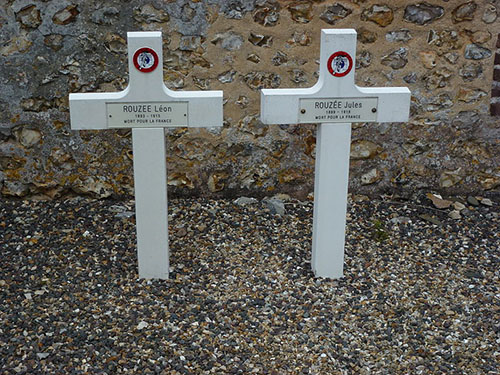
{"x": 420, "y": 292}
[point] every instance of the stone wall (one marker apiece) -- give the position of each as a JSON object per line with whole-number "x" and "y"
{"x": 444, "y": 51}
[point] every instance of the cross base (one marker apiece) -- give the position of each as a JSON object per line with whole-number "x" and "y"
{"x": 330, "y": 198}
{"x": 150, "y": 180}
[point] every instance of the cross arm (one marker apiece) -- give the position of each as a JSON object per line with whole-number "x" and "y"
{"x": 282, "y": 106}
{"x": 88, "y": 111}
{"x": 393, "y": 102}
{"x": 205, "y": 107}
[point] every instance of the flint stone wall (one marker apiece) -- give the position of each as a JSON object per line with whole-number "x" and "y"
{"x": 444, "y": 51}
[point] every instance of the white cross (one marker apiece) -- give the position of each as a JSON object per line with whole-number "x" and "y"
{"x": 334, "y": 102}
{"x": 147, "y": 107}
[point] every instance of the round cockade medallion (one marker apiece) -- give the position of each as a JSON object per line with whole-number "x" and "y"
{"x": 145, "y": 60}
{"x": 340, "y": 64}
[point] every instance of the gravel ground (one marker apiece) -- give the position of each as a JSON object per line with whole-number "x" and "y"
{"x": 417, "y": 298}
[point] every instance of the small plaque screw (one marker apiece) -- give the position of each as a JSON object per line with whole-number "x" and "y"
{"x": 374, "y": 110}
{"x": 302, "y": 111}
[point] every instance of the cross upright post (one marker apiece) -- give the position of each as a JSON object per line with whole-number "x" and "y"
{"x": 148, "y": 107}
{"x": 334, "y": 102}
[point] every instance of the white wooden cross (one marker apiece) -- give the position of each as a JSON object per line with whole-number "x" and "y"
{"x": 147, "y": 107}
{"x": 334, "y": 102}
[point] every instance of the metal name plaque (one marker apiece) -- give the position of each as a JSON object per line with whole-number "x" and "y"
{"x": 147, "y": 115}
{"x": 338, "y": 110}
